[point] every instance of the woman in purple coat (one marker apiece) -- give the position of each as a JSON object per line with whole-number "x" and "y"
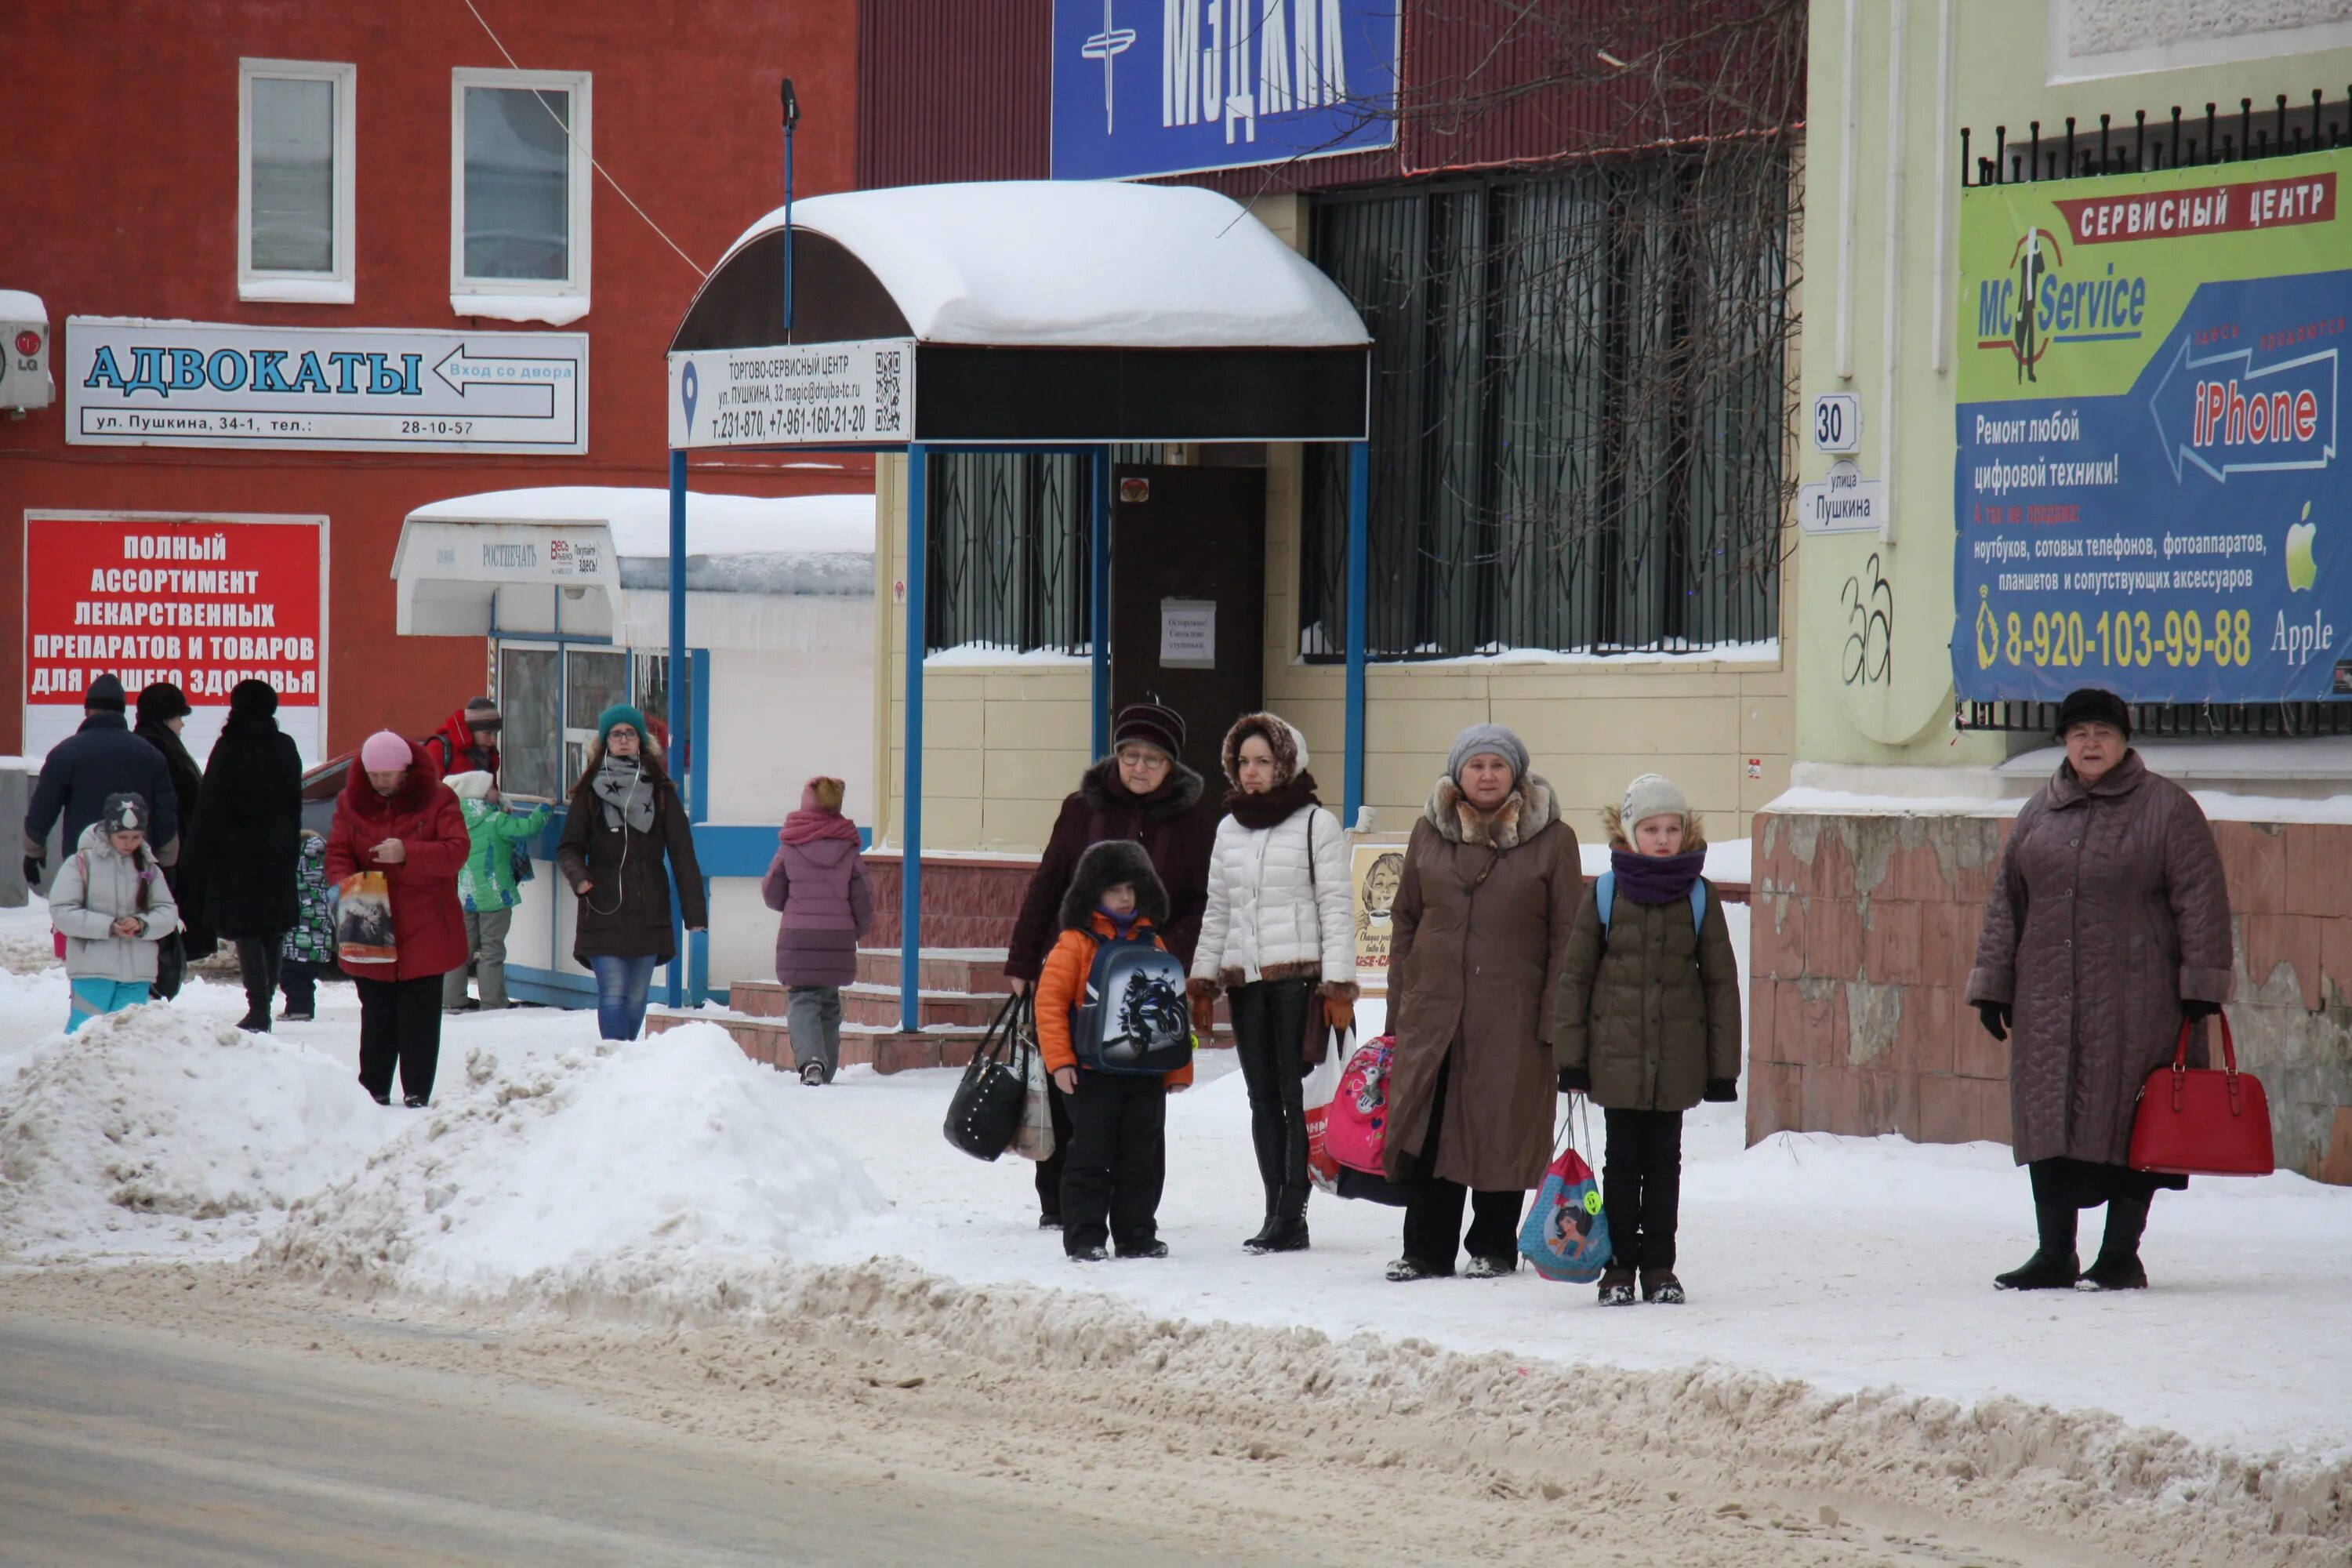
{"x": 818, "y": 883}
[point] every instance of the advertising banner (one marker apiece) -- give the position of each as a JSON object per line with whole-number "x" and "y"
{"x": 1173, "y": 87}
{"x": 2149, "y": 493}
{"x": 838, "y": 395}
{"x": 1376, "y": 867}
{"x": 324, "y": 389}
{"x": 201, "y": 602}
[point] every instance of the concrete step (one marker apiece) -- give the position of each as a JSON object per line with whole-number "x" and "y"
{"x": 875, "y": 1005}
{"x": 963, "y": 970}
{"x": 768, "y": 1041}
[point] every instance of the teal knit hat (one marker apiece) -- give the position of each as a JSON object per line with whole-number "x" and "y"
{"x": 621, "y": 713}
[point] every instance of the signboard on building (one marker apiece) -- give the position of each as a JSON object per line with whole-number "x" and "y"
{"x": 811, "y": 394}
{"x": 1173, "y": 87}
{"x": 1376, "y": 870}
{"x": 201, "y": 602}
{"x": 2150, "y": 492}
{"x": 324, "y": 389}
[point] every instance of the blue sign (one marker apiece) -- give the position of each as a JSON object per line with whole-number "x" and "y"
{"x": 1175, "y": 87}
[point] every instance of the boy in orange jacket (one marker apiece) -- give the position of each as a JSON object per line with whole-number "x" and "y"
{"x": 1118, "y": 1159}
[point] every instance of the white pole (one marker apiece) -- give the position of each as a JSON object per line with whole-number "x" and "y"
{"x": 1890, "y": 358}
{"x": 1849, "y": 89}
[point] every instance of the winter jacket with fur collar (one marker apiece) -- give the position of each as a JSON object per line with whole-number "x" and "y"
{"x": 1177, "y": 828}
{"x": 97, "y": 885}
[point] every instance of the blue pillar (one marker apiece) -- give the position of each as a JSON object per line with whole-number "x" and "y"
{"x": 1359, "y": 574}
{"x": 681, "y": 740}
{"x": 910, "y": 870}
{"x": 1099, "y": 602}
{"x": 698, "y": 810}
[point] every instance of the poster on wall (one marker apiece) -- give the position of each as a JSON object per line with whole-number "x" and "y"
{"x": 201, "y": 602}
{"x": 2150, "y": 493}
{"x": 1376, "y": 867}
{"x": 1174, "y": 86}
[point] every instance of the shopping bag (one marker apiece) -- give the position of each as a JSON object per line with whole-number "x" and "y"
{"x": 1356, "y": 1129}
{"x": 364, "y": 934}
{"x": 1566, "y": 1233}
{"x": 1034, "y": 1141}
{"x": 984, "y": 1113}
{"x": 1316, "y": 1093}
{"x": 2195, "y": 1121}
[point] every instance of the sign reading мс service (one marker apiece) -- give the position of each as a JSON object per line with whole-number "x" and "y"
{"x": 1170, "y": 87}
{"x": 2150, "y": 489}
{"x": 192, "y": 384}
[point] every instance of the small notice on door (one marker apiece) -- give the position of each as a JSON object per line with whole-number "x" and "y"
{"x": 1188, "y": 634}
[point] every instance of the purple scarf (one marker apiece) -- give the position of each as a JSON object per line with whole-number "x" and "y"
{"x": 1656, "y": 879}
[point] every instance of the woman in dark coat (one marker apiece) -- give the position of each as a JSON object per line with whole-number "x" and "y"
{"x": 163, "y": 711}
{"x": 252, "y": 839}
{"x": 1140, "y": 792}
{"x": 1492, "y": 883}
{"x": 2108, "y": 926}
{"x": 624, "y": 818}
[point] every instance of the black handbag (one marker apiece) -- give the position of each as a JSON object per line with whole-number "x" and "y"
{"x": 984, "y": 1115}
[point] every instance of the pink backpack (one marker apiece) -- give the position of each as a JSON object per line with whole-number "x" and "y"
{"x": 1356, "y": 1131}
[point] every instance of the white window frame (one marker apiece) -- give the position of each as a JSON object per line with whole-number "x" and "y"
{"x": 497, "y": 297}
{"x": 334, "y": 287}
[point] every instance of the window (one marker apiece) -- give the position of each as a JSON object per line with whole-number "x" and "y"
{"x": 531, "y": 755}
{"x": 518, "y": 192}
{"x": 593, "y": 681}
{"x": 1579, "y": 410}
{"x": 1006, "y": 556}
{"x": 294, "y": 200}
{"x": 552, "y": 697}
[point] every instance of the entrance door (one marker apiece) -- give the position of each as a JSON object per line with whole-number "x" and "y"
{"x": 1189, "y": 546}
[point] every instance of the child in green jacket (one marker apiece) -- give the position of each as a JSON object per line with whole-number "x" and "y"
{"x": 487, "y": 888}
{"x": 309, "y": 947}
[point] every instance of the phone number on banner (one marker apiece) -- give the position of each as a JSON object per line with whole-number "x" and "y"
{"x": 2117, "y": 639}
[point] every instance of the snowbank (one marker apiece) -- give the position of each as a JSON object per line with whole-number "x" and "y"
{"x": 156, "y": 1131}
{"x": 670, "y": 1172}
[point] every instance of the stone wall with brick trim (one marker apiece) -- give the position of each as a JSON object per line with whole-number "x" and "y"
{"x": 1864, "y": 929}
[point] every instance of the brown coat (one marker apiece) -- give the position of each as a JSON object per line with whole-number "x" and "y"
{"x": 1481, "y": 936}
{"x": 1654, "y": 1014}
{"x": 2108, "y": 907}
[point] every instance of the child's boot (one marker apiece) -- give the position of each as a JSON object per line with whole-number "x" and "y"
{"x": 1617, "y": 1286}
{"x": 1660, "y": 1285}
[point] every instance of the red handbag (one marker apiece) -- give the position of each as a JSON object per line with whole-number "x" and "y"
{"x": 2195, "y": 1121}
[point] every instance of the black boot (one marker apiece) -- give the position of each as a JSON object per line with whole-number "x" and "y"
{"x": 2053, "y": 1266}
{"x": 1265, "y": 1228}
{"x": 1285, "y": 1228}
{"x": 2118, "y": 1266}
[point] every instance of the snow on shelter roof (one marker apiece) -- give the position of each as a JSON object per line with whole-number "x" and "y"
{"x": 1080, "y": 264}
{"x": 639, "y": 517}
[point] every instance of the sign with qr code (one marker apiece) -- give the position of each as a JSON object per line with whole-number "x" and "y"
{"x": 794, "y": 394}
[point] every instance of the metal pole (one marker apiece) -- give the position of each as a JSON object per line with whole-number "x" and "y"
{"x": 910, "y": 869}
{"x": 791, "y": 110}
{"x": 1360, "y": 577}
{"x": 681, "y": 740}
{"x": 1098, "y": 605}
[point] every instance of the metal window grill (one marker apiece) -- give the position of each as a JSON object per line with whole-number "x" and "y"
{"x": 2176, "y": 141}
{"x": 1009, "y": 548}
{"x": 1579, "y": 409}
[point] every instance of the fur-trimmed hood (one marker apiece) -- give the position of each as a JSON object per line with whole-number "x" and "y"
{"x": 1693, "y": 830}
{"x": 1106, "y": 865}
{"x": 1531, "y": 808}
{"x": 1282, "y": 737}
{"x": 1102, "y": 791}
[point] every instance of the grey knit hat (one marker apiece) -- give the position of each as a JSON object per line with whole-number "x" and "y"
{"x": 1652, "y": 795}
{"x": 1487, "y": 739}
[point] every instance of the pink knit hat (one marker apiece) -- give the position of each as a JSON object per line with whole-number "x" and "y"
{"x": 384, "y": 753}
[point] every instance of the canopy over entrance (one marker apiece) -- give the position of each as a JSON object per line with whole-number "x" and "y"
{"x": 1035, "y": 311}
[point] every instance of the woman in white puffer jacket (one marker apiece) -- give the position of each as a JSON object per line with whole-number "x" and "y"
{"x": 1278, "y": 938}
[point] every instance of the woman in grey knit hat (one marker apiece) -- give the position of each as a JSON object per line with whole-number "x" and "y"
{"x": 1491, "y": 885}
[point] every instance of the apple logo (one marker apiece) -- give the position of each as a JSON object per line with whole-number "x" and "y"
{"x": 2302, "y": 567}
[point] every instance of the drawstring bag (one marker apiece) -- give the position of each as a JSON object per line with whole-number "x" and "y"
{"x": 363, "y": 933}
{"x": 984, "y": 1113}
{"x": 1034, "y": 1141}
{"x": 1566, "y": 1233}
{"x": 1316, "y": 1093}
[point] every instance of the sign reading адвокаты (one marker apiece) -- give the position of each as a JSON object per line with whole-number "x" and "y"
{"x": 2149, "y": 489}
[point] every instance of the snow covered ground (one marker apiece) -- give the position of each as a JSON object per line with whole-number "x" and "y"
{"x": 671, "y": 1176}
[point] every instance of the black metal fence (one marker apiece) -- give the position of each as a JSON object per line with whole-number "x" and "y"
{"x": 2177, "y": 140}
{"x": 1579, "y": 409}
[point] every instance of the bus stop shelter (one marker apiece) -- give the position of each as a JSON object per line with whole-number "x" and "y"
{"x": 1033, "y": 316}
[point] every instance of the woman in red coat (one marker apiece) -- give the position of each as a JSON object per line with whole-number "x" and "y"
{"x": 397, "y": 817}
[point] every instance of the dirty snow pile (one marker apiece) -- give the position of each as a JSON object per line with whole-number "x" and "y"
{"x": 155, "y": 1131}
{"x": 668, "y": 1175}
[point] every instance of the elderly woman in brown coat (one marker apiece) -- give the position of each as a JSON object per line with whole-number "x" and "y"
{"x": 2109, "y": 924}
{"x": 1492, "y": 881}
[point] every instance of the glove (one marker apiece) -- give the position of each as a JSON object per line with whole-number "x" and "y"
{"x": 1575, "y": 1080}
{"x": 1722, "y": 1090}
{"x": 33, "y": 864}
{"x": 2194, "y": 1010}
{"x": 1995, "y": 1016}
{"x": 1202, "y": 995}
{"x": 1339, "y": 1005}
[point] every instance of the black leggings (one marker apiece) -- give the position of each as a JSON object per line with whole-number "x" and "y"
{"x": 400, "y": 1025}
{"x": 1269, "y": 1025}
{"x": 257, "y": 960}
{"x": 1642, "y": 1186}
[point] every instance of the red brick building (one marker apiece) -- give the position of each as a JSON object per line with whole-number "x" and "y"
{"x": 342, "y": 174}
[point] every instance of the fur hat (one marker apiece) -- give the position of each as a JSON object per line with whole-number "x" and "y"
{"x": 1653, "y": 795}
{"x": 256, "y": 696}
{"x": 161, "y": 702}
{"x": 1282, "y": 738}
{"x": 1105, "y": 866}
{"x": 481, "y": 713}
{"x": 384, "y": 753}
{"x": 2091, "y": 705}
{"x": 1483, "y": 741}
{"x": 104, "y": 696}
{"x": 1150, "y": 724}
